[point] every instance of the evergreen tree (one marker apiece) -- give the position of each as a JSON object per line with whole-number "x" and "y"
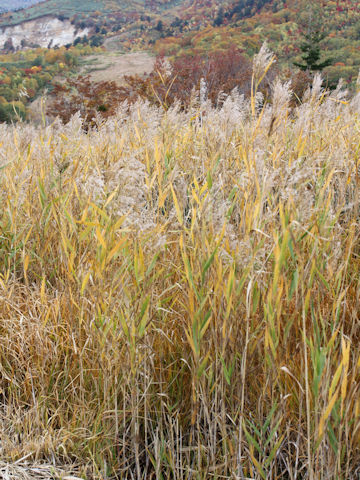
{"x": 312, "y": 53}
{"x": 311, "y": 22}
{"x": 160, "y": 26}
{"x": 219, "y": 18}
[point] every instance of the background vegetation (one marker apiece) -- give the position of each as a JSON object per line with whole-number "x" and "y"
{"x": 24, "y": 74}
{"x": 283, "y": 25}
{"x": 196, "y": 29}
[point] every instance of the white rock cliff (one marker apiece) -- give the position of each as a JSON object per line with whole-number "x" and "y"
{"x": 41, "y": 32}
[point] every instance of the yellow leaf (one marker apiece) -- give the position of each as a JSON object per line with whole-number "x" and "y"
{"x": 331, "y": 174}
{"x": 177, "y": 207}
{"x": 110, "y": 198}
{"x": 84, "y": 283}
{"x": 191, "y": 342}
{"x": 196, "y": 198}
{"x": 47, "y": 316}
{"x": 258, "y": 466}
{"x": 26, "y": 265}
{"x": 100, "y": 238}
{"x": 335, "y": 380}
{"x": 42, "y": 291}
{"x": 327, "y": 412}
{"x": 162, "y": 198}
{"x": 137, "y": 133}
{"x": 28, "y": 235}
{"x": 119, "y": 222}
{"x": 346, "y": 353}
{"x": 332, "y": 339}
{"x": 114, "y": 250}
{"x": 345, "y": 362}
{"x": 203, "y": 188}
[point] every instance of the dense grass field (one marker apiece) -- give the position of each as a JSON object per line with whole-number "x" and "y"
{"x": 180, "y": 292}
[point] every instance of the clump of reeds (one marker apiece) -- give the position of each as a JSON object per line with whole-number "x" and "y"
{"x": 179, "y": 291}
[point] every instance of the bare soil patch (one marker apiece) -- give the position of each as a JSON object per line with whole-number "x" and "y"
{"x": 112, "y": 66}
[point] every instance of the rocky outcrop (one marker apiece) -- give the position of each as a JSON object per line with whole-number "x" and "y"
{"x": 45, "y": 31}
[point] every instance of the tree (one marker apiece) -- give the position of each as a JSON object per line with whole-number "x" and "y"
{"x": 312, "y": 53}
{"x": 96, "y": 41}
{"x": 87, "y": 97}
{"x": 38, "y": 61}
{"x": 4, "y": 114}
{"x": 160, "y": 26}
{"x": 219, "y": 18}
{"x": 11, "y": 112}
{"x": 311, "y": 22}
{"x": 9, "y": 46}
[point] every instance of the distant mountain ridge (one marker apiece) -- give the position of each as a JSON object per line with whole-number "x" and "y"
{"x": 121, "y": 25}
{"x": 10, "y": 5}
{"x": 129, "y": 10}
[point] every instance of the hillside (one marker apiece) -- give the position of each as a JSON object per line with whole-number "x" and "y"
{"x": 129, "y": 24}
{"x": 106, "y": 8}
{"x": 8, "y": 5}
{"x": 282, "y": 25}
{"x": 178, "y": 27}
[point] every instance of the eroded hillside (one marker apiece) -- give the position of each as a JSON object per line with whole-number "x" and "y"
{"x": 43, "y": 32}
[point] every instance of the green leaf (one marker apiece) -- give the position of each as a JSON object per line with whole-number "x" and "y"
{"x": 124, "y": 326}
{"x": 273, "y": 451}
{"x": 227, "y": 370}
{"x": 252, "y": 440}
{"x": 272, "y": 433}
{"x": 152, "y": 264}
{"x": 202, "y": 366}
{"x": 209, "y": 180}
{"x": 208, "y": 264}
{"x": 269, "y": 417}
{"x": 294, "y": 283}
{"x": 143, "y": 317}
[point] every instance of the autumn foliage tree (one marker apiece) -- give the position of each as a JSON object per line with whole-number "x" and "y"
{"x": 87, "y": 97}
{"x": 221, "y": 71}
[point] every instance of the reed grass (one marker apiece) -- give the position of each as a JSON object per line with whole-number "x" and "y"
{"x": 180, "y": 292}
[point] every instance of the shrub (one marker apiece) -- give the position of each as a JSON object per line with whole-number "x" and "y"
{"x": 170, "y": 81}
{"x": 84, "y": 96}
